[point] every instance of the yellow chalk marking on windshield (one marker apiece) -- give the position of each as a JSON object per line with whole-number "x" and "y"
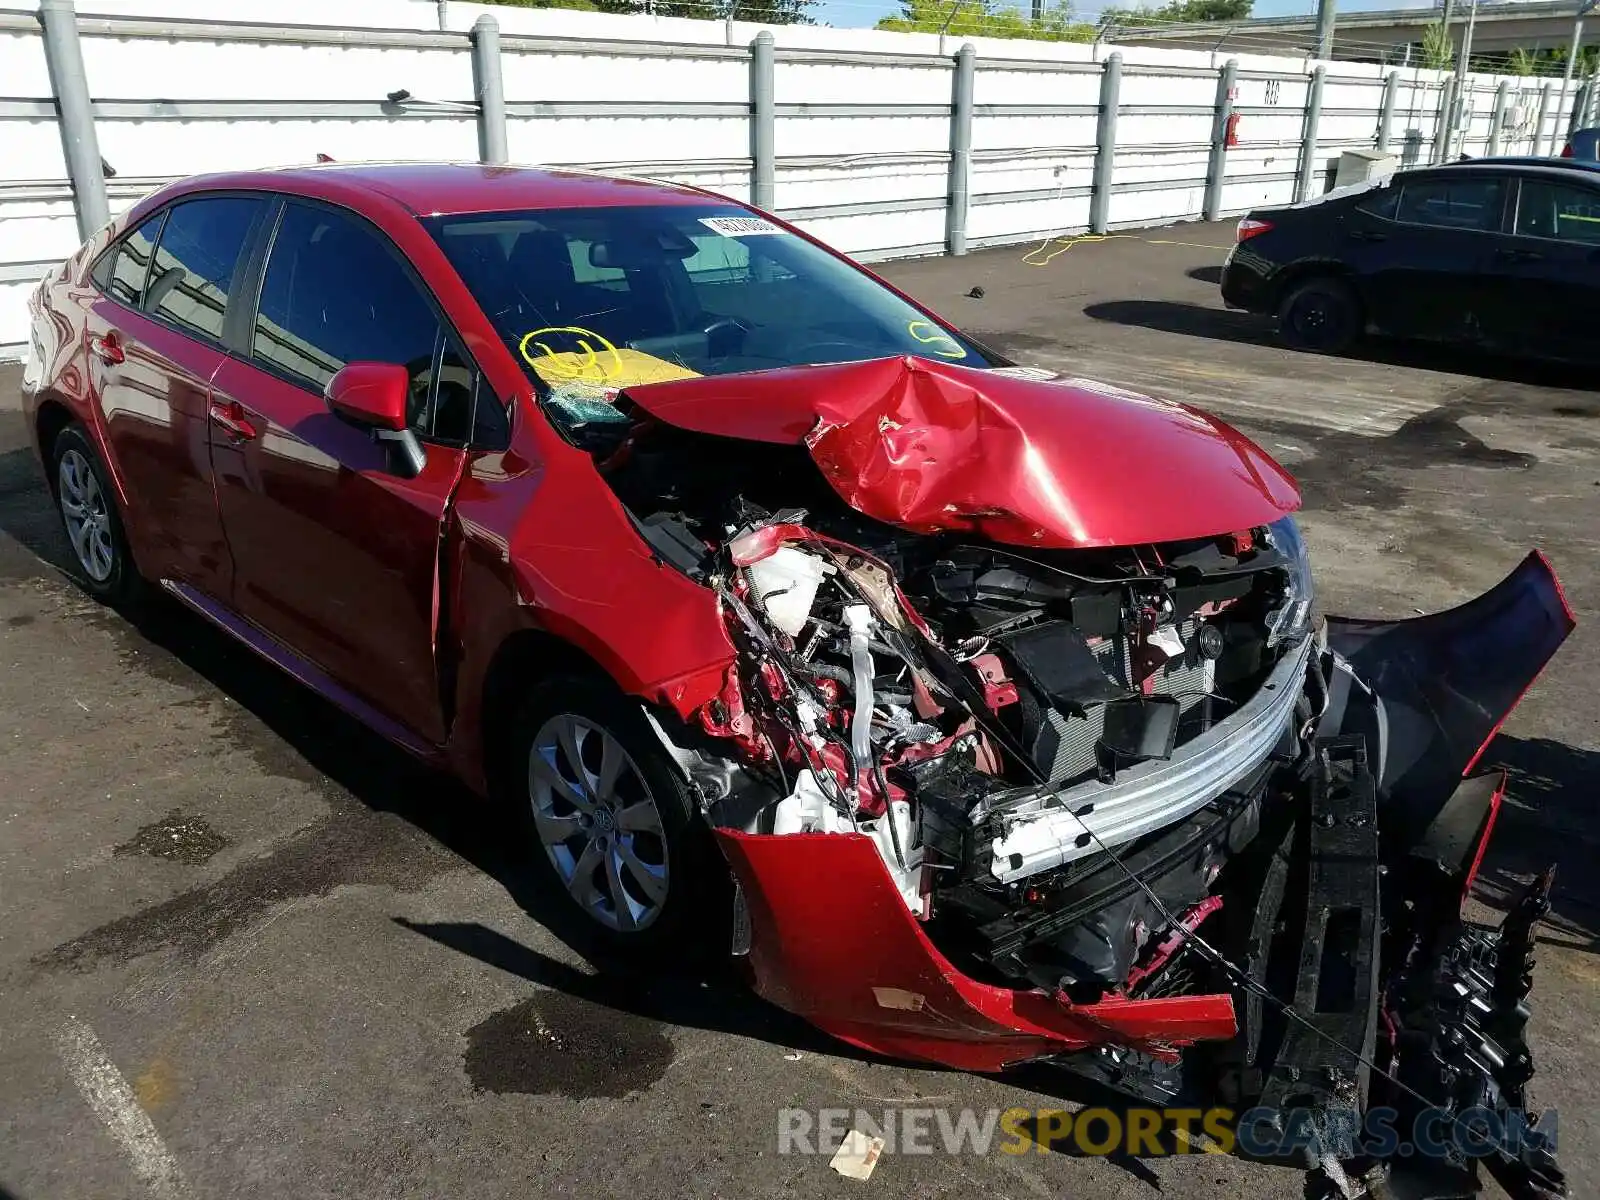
{"x": 937, "y": 340}
{"x": 585, "y": 363}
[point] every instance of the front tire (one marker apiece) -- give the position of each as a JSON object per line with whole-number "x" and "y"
{"x": 611, "y": 824}
{"x": 89, "y": 516}
{"x": 1320, "y": 315}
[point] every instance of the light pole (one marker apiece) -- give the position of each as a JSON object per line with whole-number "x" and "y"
{"x": 1457, "y": 133}
{"x": 1585, "y": 7}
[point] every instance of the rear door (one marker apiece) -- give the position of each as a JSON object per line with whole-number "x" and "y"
{"x": 155, "y": 341}
{"x": 1421, "y": 248}
{"x": 334, "y": 556}
{"x": 1547, "y": 270}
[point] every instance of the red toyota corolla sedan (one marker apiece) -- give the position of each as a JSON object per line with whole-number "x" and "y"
{"x": 983, "y": 712}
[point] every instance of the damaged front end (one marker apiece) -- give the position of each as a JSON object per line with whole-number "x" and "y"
{"x": 995, "y": 790}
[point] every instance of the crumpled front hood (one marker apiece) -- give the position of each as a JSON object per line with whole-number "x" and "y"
{"x": 931, "y": 446}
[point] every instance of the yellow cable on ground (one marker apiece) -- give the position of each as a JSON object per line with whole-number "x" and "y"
{"x": 1059, "y": 246}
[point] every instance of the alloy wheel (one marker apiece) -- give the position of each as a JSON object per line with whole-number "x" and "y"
{"x": 86, "y": 515}
{"x": 598, "y": 822}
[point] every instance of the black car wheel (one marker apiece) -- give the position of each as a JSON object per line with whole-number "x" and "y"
{"x": 91, "y": 521}
{"x": 610, "y": 821}
{"x": 1321, "y": 315}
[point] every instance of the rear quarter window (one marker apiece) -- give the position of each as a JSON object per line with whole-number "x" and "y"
{"x": 130, "y": 262}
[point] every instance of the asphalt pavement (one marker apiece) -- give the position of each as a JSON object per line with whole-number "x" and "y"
{"x": 247, "y": 949}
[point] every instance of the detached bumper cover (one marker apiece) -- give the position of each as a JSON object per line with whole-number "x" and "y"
{"x": 832, "y": 941}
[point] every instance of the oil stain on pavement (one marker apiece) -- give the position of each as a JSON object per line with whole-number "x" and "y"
{"x": 552, "y": 1044}
{"x": 188, "y": 840}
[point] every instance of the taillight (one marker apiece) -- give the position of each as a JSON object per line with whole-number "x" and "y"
{"x": 1566, "y": 151}
{"x": 1249, "y": 227}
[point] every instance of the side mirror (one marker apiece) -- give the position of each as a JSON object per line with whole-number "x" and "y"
{"x": 375, "y": 395}
{"x": 371, "y": 394}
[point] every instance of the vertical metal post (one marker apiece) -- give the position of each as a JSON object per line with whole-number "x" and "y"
{"x": 1580, "y": 104}
{"x": 955, "y": 213}
{"x": 763, "y": 123}
{"x": 1105, "y": 143}
{"x": 1217, "y": 168}
{"x": 1456, "y": 133}
{"x": 1308, "y": 140}
{"x": 1497, "y": 121}
{"x": 81, "y": 148}
{"x": 1572, "y": 57}
{"x": 491, "y": 91}
{"x": 1391, "y": 93}
{"x": 442, "y": 10}
{"x": 1325, "y": 18}
{"x": 1544, "y": 115}
{"x": 1441, "y": 129}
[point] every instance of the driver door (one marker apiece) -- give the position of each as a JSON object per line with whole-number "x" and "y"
{"x": 335, "y": 556}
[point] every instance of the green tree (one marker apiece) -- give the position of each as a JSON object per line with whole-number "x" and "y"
{"x": 1181, "y": 11}
{"x": 1438, "y": 51}
{"x": 1522, "y": 62}
{"x": 984, "y": 18}
{"x": 769, "y": 12}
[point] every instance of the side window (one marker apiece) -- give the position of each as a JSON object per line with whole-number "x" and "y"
{"x": 1556, "y": 210}
{"x": 584, "y": 271}
{"x": 450, "y": 402}
{"x": 1473, "y": 204}
{"x": 101, "y": 275}
{"x": 1383, "y": 202}
{"x": 131, "y": 262}
{"x": 718, "y": 260}
{"x": 334, "y": 293}
{"x": 195, "y": 260}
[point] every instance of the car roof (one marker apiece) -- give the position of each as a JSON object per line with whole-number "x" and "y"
{"x": 1528, "y": 160}
{"x": 440, "y": 188}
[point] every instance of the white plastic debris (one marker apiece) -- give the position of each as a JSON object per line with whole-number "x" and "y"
{"x": 857, "y": 1155}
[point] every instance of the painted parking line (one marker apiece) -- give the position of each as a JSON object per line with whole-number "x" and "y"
{"x": 1245, "y": 394}
{"x": 112, "y": 1099}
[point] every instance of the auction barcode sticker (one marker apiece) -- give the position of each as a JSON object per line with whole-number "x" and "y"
{"x": 739, "y": 226}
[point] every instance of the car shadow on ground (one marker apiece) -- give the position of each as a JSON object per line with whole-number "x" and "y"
{"x": 1229, "y": 325}
{"x": 1549, "y": 815}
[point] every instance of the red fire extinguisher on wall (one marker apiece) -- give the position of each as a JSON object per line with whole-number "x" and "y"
{"x": 1231, "y": 137}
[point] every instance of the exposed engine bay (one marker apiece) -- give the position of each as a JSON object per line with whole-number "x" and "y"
{"x": 972, "y": 707}
{"x": 990, "y": 802}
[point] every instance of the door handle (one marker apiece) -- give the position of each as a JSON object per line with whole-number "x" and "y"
{"x": 1368, "y": 235}
{"x": 1517, "y": 256}
{"x": 230, "y": 415}
{"x": 107, "y": 347}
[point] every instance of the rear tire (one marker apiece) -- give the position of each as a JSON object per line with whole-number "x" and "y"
{"x": 617, "y": 833}
{"x": 1321, "y": 315}
{"x": 93, "y": 525}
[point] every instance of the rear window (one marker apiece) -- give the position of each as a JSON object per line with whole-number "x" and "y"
{"x": 616, "y": 296}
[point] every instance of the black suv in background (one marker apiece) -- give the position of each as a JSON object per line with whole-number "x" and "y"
{"x": 1502, "y": 255}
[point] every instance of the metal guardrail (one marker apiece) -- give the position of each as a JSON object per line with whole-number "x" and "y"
{"x": 60, "y": 30}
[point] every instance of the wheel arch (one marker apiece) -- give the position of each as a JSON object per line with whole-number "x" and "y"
{"x": 53, "y": 416}
{"x": 1304, "y": 272}
{"x": 523, "y": 658}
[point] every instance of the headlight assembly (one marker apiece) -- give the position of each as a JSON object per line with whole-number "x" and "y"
{"x": 1290, "y": 618}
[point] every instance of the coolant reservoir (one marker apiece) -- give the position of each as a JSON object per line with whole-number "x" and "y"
{"x": 786, "y": 582}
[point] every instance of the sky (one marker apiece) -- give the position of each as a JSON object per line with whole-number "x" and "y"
{"x": 861, "y": 14}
